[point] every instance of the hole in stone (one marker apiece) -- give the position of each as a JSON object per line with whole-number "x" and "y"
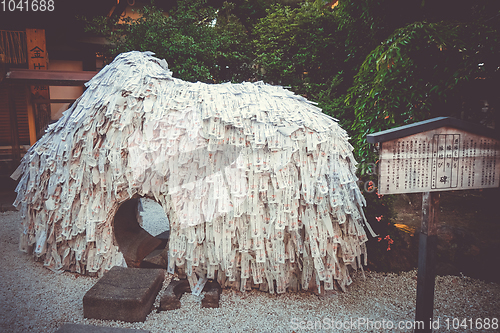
{"x": 137, "y": 243}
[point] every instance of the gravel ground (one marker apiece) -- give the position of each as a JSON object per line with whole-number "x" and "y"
{"x": 154, "y": 219}
{"x": 34, "y": 299}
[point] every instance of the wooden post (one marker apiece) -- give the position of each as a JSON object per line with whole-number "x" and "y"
{"x": 31, "y": 117}
{"x": 16, "y": 154}
{"x": 426, "y": 262}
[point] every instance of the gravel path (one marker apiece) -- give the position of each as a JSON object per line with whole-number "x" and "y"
{"x": 34, "y": 299}
{"x": 154, "y": 219}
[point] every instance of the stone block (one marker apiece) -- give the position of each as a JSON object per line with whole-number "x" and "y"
{"x": 164, "y": 237}
{"x": 212, "y": 295}
{"x": 80, "y": 328}
{"x": 134, "y": 242}
{"x": 170, "y": 300}
{"x": 156, "y": 259}
{"x": 125, "y": 294}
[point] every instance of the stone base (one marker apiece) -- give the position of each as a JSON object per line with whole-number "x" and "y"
{"x": 80, "y": 328}
{"x": 125, "y": 294}
{"x": 170, "y": 300}
{"x": 134, "y": 242}
{"x": 212, "y": 295}
{"x": 156, "y": 259}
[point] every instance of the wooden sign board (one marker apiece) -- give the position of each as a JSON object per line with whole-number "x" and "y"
{"x": 37, "y": 60}
{"x": 439, "y": 154}
{"x": 439, "y": 159}
{"x": 37, "y": 57}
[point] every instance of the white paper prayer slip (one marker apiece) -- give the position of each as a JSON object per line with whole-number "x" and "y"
{"x": 257, "y": 182}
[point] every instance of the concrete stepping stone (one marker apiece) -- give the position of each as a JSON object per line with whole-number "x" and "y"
{"x": 125, "y": 294}
{"x": 80, "y": 328}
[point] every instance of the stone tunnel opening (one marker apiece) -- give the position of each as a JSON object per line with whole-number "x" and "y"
{"x": 134, "y": 224}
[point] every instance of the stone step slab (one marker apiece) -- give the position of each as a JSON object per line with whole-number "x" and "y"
{"x": 81, "y": 328}
{"x": 125, "y": 294}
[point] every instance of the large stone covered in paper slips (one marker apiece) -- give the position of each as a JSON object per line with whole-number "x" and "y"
{"x": 259, "y": 185}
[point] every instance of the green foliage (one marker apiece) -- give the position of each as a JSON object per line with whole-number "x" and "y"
{"x": 366, "y": 23}
{"x": 299, "y": 46}
{"x": 421, "y": 71}
{"x": 303, "y": 48}
{"x": 195, "y": 47}
{"x": 248, "y": 12}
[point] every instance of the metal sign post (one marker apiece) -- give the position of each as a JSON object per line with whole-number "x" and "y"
{"x": 426, "y": 259}
{"x": 439, "y": 154}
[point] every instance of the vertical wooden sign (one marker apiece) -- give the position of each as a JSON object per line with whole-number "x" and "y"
{"x": 440, "y": 154}
{"x": 37, "y": 60}
{"x": 37, "y": 57}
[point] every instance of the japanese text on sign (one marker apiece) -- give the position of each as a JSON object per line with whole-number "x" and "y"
{"x": 438, "y": 160}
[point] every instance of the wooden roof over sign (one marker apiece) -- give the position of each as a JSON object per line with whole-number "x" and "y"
{"x": 48, "y": 77}
{"x": 431, "y": 124}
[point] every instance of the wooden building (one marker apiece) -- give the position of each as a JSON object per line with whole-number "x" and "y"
{"x": 45, "y": 59}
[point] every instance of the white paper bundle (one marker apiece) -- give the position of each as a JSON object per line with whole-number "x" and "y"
{"x": 259, "y": 184}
